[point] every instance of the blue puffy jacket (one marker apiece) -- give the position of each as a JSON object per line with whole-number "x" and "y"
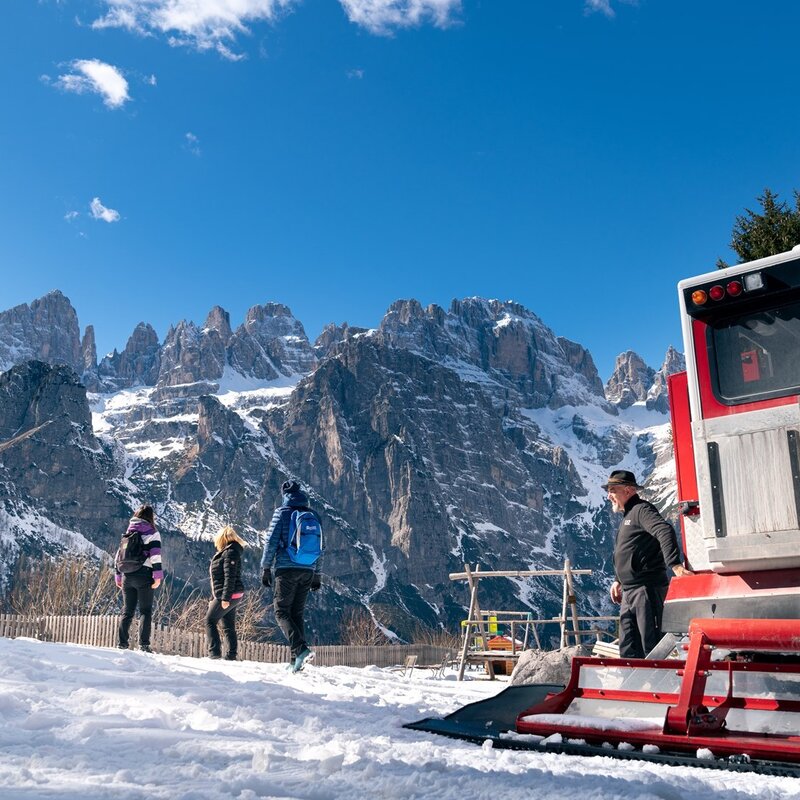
{"x": 278, "y": 536}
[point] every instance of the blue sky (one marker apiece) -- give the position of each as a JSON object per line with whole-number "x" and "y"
{"x": 336, "y": 155}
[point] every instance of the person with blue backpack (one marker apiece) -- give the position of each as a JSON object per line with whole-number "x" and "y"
{"x": 294, "y": 545}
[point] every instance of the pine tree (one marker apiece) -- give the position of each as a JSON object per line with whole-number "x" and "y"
{"x": 774, "y": 230}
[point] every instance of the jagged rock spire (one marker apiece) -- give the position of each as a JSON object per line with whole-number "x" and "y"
{"x": 657, "y": 394}
{"x": 630, "y": 381}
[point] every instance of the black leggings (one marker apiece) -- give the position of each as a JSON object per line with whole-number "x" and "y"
{"x": 137, "y": 589}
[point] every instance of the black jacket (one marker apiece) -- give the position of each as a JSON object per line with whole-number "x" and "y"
{"x": 226, "y": 572}
{"x": 646, "y": 545}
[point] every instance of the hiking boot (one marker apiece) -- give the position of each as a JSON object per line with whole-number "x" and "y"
{"x": 122, "y": 647}
{"x": 299, "y": 662}
{"x": 145, "y": 648}
{"x": 214, "y": 656}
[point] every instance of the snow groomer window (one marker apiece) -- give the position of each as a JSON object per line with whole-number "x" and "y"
{"x": 757, "y": 355}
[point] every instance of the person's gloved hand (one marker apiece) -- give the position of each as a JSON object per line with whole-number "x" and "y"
{"x": 266, "y": 578}
{"x": 316, "y": 582}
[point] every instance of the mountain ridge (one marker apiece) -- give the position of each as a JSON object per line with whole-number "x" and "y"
{"x": 441, "y": 437}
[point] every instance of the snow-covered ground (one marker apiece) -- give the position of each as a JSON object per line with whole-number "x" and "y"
{"x": 96, "y": 723}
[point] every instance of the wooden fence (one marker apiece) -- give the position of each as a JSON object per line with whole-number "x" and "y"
{"x": 102, "y": 632}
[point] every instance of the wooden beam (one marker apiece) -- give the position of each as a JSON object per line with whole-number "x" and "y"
{"x": 510, "y": 573}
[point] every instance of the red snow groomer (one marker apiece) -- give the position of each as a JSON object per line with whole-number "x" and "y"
{"x": 735, "y": 692}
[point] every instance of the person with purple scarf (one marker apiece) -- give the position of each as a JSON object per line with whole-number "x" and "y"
{"x": 138, "y": 586}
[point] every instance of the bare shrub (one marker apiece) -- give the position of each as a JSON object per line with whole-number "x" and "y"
{"x": 438, "y": 637}
{"x": 188, "y": 613}
{"x": 359, "y": 628}
{"x": 62, "y": 587}
{"x": 78, "y": 586}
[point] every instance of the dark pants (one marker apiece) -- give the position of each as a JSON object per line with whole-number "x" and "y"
{"x": 640, "y": 620}
{"x": 291, "y": 590}
{"x": 228, "y": 616}
{"x": 137, "y": 589}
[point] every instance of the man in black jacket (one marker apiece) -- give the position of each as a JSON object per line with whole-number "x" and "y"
{"x": 646, "y": 546}
{"x": 292, "y": 581}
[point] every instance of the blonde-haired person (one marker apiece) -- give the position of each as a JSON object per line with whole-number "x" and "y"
{"x": 227, "y": 591}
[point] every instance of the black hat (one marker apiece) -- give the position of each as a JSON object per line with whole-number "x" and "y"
{"x": 621, "y": 477}
{"x": 290, "y": 487}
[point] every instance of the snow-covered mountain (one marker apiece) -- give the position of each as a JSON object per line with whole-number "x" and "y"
{"x": 441, "y": 437}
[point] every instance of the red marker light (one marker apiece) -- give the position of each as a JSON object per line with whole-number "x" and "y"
{"x": 734, "y": 288}
{"x": 699, "y": 297}
{"x": 716, "y": 292}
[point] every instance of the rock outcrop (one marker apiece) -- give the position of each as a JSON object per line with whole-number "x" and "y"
{"x": 46, "y": 330}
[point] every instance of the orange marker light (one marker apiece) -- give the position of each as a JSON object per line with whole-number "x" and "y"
{"x": 699, "y": 297}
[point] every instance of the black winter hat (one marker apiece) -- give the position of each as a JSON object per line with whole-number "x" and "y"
{"x": 621, "y": 477}
{"x": 290, "y": 487}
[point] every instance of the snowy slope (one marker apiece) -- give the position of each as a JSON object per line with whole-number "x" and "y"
{"x": 96, "y": 723}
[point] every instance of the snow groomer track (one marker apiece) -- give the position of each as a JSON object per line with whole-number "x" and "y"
{"x": 495, "y": 719}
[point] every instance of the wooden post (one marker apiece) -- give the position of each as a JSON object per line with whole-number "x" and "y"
{"x": 563, "y": 642}
{"x": 473, "y": 597}
{"x": 572, "y": 600}
{"x": 482, "y": 627}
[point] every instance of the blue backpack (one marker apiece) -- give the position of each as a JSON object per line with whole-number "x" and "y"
{"x": 305, "y": 538}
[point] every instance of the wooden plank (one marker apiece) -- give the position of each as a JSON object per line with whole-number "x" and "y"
{"x": 515, "y": 573}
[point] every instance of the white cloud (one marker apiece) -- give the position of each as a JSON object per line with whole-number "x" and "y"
{"x": 355, "y": 73}
{"x": 193, "y": 144}
{"x": 71, "y": 215}
{"x": 216, "y": 24}
{"x": 381, "y": 16}
{"x": 601, "y": 6}
{"x": 97, "y": 77}
{"x": 604, "y": 6}
{"x": 100, "y": 212}
{"x": 204, "y": 24}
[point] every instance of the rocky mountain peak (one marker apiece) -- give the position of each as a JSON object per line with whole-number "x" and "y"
{"x": 137, "y": 365}
{"x": 502, "y": 339}
{"x": 270, "y": 343}
{"x": 657, "y": 397}
{"x": 403, "y": 312}
{"x": 190, "y": 355}
{"x": 89, "y": 349}
{"x": 332, "y": 335}
{"x": 219, "y": 320}
{"x": 630, "y": 381}
{"x": 46, "y": 330}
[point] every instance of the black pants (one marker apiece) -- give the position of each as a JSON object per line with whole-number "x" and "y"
{"x": 640, "y": 620}
{"x": 291, "y": 590}
{"x": 214, "y": 614}
{"x": 137, "y": 589}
